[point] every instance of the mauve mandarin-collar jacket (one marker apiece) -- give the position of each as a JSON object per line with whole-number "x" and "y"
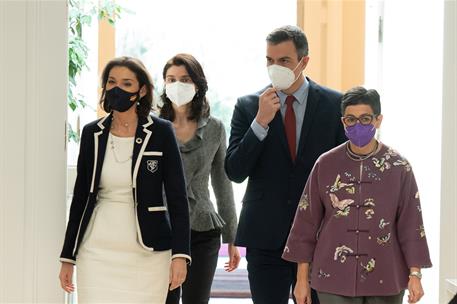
{"x": 359, "y": 223}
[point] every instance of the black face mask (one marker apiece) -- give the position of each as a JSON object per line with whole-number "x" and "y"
{"x": 119, "y": 100}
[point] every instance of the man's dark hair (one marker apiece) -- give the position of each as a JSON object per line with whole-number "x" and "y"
{"x": 360, "y": 95}
{"x": 292, "y": 33}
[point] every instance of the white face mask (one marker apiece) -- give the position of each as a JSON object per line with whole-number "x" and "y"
{"x": 281, "y": 77}
{"x": 180, "y": 93}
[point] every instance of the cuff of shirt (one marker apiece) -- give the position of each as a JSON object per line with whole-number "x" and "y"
{"x": 258, "y": 130}
{"x": 68, "y": 261}
{"x": 181, "y": 255}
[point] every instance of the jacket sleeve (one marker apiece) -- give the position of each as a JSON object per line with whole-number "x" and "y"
{"x": 307, "y": 222}
{"x": 175, "y": 191}
{"x": 79, "y": 200}
{"x": 244, "y": 146}
{"x": 340, "y": 135}
{"x": 410, "y": 226}
{"x": 223, "y": 191}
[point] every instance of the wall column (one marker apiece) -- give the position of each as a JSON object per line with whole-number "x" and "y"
{"x": 33, "y": 94}
{"x": 448, "y": 240}
{"x": 336, "y": 37}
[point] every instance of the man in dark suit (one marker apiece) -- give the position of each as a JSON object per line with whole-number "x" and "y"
{"x": 277, "y": 134}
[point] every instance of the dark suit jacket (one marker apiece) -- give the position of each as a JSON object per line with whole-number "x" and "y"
{"x": 275, "y": 182}
{"x": 156, "y": 165}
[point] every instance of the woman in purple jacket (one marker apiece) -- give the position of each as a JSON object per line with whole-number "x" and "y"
{"x": 359, "y": 219}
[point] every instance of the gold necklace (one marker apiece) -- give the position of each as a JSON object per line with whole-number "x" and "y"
{"x": 113, "y": 148}
{"x": 125, "y": 124}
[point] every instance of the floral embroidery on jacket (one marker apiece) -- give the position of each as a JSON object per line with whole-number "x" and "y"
{"x": 403, "y": 162}
{"x": 381, "y": 164}
{"x": 421, "y": 231}
{"x": 382, "y": 240}
{"x": 371, "y": 174}
{"x": 323, "y": 274}
{"x": 369, "y": 267}
{"x": 369, "y": 214}
{"x": 383, "y": 223}
{"x": 350, "y": 176}
{"x": 338, "y": 184}
{"x": 303, "y": 204}
{"x": 350, "y": 190}
{"x": 342, "y": 205}
{"x": 344, "y": 212}
{"x": 390, "y": 152}
{"x": 341, "y": 253}
{"x": 369, "y": 202}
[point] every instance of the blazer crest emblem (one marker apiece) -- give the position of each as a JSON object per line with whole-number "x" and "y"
{"x": 152, "y": 165}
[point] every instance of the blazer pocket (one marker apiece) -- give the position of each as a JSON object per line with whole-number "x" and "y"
{"x": 153, "y": 153}
{"x": 159, "y": 208}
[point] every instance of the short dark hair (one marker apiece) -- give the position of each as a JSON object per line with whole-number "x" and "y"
{"x": 199, "y": 106}
{"x": 293, "y": 33}
{"x": 360, "y": 95}
{"x": 137, "y": 67}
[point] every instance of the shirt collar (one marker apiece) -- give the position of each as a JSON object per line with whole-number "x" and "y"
{"x": 300, "y": 94}
{"x": 196, "y": 141}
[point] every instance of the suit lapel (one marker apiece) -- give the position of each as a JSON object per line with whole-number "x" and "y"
{"x": 311, "y": 106}
{"x": 100, "y": 141}
{"x": 142, "y": 136}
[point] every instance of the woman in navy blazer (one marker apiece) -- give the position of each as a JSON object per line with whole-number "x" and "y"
{"x": 156, "y": 208}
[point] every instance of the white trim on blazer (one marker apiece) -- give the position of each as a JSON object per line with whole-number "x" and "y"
{"x": 159, "y": 208}
{"x": 96, "y": 135}
{"x": 153, "y": 153}
{"x": 143, "y": 147}
{"x": 135, "y": 173}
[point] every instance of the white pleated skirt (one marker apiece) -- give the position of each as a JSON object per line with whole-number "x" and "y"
{"x": 112, "y": 267}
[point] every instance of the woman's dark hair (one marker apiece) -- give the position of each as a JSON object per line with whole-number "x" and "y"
{"x": 137, "y": 67}
{"x": 360, "y": 95}
{"x": 199, "y": 106}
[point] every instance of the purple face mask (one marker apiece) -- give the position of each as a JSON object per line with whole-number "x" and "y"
{"x": 360, "y": 135}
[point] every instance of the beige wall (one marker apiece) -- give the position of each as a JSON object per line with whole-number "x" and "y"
{"x": 336, "y": 36}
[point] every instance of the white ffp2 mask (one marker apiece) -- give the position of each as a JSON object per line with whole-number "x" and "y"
{"x": 180, "y": 93}
{"x": 281, "y": 77}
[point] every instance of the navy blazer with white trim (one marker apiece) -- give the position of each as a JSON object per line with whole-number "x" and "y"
{"x": 160, "y": 226}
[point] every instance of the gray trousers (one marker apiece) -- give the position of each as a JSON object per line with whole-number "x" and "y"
{"x": 328, "y": 298}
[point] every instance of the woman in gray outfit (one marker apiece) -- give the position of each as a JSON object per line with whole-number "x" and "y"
{"x": 202, "y": 142}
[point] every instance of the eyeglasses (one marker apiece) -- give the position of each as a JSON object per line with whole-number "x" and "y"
{"x": 364, "y": 119}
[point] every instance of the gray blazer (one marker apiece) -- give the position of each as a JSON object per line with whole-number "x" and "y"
{"x": 203, "y": 156}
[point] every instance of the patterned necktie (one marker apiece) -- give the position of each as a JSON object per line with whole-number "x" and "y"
{"x": 290, "y": 125}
